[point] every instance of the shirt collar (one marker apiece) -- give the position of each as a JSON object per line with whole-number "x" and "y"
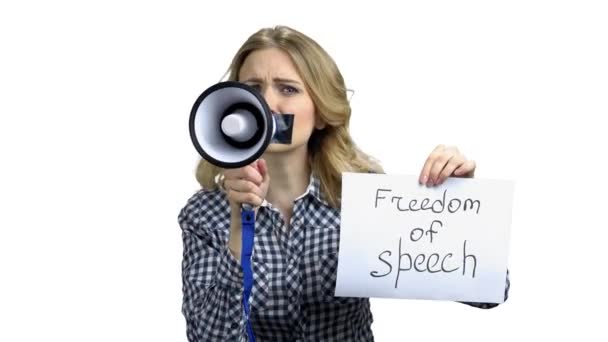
{"x": 313, "y": 189}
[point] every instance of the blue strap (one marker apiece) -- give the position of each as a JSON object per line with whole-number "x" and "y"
{"x": 248, "y": 220}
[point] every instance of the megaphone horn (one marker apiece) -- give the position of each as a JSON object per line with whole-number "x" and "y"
{"x": 231, "y": 125}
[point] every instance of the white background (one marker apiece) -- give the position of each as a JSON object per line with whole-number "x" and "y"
{"x": 96, "y": 160}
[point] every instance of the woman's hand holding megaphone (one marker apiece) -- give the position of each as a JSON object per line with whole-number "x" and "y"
{"x": 247, "y": 184}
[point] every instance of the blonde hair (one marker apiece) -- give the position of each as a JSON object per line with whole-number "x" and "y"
{"x": 331, "y": 150}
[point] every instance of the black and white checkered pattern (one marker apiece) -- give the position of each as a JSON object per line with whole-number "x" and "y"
{"x": 294, "y": 274}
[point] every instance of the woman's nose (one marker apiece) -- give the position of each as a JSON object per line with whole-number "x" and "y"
{"x": 271, "y": 100}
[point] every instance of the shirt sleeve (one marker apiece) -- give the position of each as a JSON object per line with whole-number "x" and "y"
{"x": 492, "y": 305}
{"x": 211, "y": 281}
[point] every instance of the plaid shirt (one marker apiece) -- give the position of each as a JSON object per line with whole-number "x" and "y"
{"x": 294, "y": 274}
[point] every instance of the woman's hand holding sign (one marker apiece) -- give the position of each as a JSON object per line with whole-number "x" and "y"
{"x": 443, "y": 162}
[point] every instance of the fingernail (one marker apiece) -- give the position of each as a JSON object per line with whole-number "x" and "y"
{"x": 424, "y": 179}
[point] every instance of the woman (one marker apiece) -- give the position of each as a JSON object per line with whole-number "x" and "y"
{"x": 296, "y": 191}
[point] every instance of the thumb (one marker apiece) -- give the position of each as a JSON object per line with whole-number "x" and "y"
{"x": 263, "y": 168}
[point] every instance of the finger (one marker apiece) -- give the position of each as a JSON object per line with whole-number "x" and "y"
{"x": 263, "y": 170}
{"x": 253, "y": 174}
{"x": 255, "y": 165}
{"x": 262, "y": 167}
{"x": 426, "y": 169}
{"x": 248, "y": 172}
{"x": 244, "y": 197}
{"x": 452, "y": 165}
{"x": 438, "y": 166}
{"x": 243, "y": 185}
{"x": 233, "y": 174}
{"x": 467, "y": 169}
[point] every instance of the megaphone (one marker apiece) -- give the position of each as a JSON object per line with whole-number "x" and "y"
{"x": 231, "y": 125}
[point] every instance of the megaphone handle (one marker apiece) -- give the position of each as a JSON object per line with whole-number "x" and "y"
{"x": 248, "y": 234}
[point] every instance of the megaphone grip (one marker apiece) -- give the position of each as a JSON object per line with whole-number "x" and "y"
{"x": 248, "y": 234}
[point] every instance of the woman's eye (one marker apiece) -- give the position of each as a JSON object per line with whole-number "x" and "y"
{"x": 289, "y": 90}
{"x": 257, "y": 87}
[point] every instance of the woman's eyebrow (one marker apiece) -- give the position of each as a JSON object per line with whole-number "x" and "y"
{"x": 276, "y": 80}
{"x": 253, "y": 80}
{"x": 285, "y": 80}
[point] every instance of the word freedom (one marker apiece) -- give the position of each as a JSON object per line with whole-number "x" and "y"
{"x": 437, "y": 207}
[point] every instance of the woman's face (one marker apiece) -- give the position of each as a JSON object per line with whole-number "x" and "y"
{"x": 274, "y": 75}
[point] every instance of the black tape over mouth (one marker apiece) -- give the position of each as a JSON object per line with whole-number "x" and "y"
{"x": 284, "y": 128}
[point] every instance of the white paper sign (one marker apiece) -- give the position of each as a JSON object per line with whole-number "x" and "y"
{"x": 400, "y": 239}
